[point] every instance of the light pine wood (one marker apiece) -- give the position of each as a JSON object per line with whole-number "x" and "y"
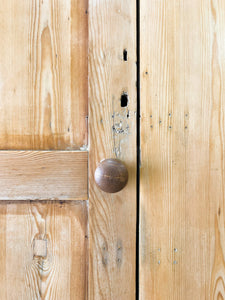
{"x": 43, "y": 106}
{"x": 43, "y": 74}
{"x": 182, "y": 217}
{"x": 43, "y": 175}
{"x": 112, "y": 129}
{"x": 62, "y": 273}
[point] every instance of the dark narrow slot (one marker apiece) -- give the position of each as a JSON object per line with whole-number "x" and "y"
{"x": 124, "y": 100}
{"x": 138, "y": 145}
{"x": 125, "y": 54}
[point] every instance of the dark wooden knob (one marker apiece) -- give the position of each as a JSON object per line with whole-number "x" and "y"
{"x": 111, "y": 175}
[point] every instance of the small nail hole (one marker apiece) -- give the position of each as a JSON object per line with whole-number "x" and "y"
{"x": 125, "y": 54}
{"x": 124, "y": 100}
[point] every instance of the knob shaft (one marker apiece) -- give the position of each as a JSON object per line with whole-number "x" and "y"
{"x": 111, "y": 175}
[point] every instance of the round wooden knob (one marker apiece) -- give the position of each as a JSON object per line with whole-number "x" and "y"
{"x": 111, "y": 175}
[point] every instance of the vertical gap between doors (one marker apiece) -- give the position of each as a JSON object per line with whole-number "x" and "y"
{"x": 138, "y": 144}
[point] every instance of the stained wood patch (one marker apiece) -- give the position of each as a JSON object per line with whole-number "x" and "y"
{"x": 42, "y": 175}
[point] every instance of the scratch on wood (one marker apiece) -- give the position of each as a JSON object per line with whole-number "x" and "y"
{"x": 119, "y": 253}
{"x": 120, "y": 127}
{"x": 104, "y": 254}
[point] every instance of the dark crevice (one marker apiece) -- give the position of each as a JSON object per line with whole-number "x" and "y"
{"x": 125, "y": 55}
{"x": 138, "y": 144}
{"x": 124, "y": 100}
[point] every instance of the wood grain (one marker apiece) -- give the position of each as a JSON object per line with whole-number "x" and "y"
{"x": 62, "y": 274}
{"x": 43, "y": 74}
{"x": 182, "y": 236}
{"x": 43, "y": 175}
{"x": 112, "y": 133}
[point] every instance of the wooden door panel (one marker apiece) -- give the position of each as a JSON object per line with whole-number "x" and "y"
{"x": 43, "y": 106}
{"x": 182, "y": 150}
{"x": 43, "y": 175}
{"x": 43, "y": 74}
{"x": 44, "y": 88}
{"x": 112, "y": 133}
{"x": 43, "y": 253}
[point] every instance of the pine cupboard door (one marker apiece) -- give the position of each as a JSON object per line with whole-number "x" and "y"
{"x": 182, "y": 73}
{"x": 63, "y": 109}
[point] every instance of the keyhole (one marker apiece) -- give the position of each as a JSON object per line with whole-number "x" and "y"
{"x": 125, "y": 54}
{"x": 124, "y": 100}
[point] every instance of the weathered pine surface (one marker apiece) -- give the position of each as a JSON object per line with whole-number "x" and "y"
{"x": 43, "y": 252}
{"x": 182, "y": 231}
{"x": 43, "y": 74}
{"x": 43, "y": 175}
{"x": 112, "y": 129}
{"x": 43, "y": 106}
